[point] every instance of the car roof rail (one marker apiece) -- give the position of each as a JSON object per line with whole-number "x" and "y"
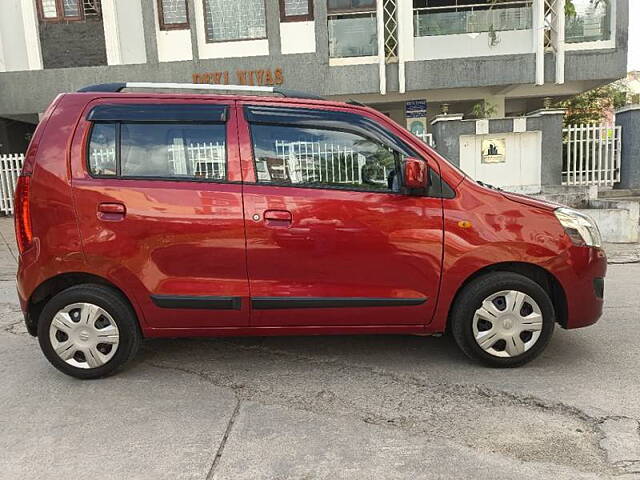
{"x": 119, "y": 86}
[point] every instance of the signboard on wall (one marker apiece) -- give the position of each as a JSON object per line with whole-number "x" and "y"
{"x": 264, "y": 77}
{"x": 415, "y": 112}
{"x": 493, "y": 150}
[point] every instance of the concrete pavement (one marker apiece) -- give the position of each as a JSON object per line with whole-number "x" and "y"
{"x": 327, "y": 407}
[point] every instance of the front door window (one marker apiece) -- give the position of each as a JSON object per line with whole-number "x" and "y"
{"x": 314, "y": 157}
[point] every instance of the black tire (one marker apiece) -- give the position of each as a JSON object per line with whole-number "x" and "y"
{"x": 471, "y": 298}
{"x": 115, "y": 305}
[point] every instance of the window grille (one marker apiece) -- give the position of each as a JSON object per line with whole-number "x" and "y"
{"x": 229, "y": 20}
{"x": 390, "y": 30}
{"x": 173, "y": 14}
{"x": 296, "y": 10}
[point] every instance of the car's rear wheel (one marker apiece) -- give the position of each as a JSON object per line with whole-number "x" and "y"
{"x": 88, "y": 331}
{"x": 503, "y": 319}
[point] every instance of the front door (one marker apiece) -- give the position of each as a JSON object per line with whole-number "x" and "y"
{"x": 158, "y": 192}
{"x": 331, "y": 240}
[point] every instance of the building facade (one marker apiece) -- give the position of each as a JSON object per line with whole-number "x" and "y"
{"x": 391, "y": 54}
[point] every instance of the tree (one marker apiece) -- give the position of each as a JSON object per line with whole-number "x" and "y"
{"x": 570, "y": 8}
{"x": 592, "y": 105}
{"x": 484, "y": 109}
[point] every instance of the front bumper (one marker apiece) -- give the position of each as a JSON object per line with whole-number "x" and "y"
{"x": 583, "y": 283}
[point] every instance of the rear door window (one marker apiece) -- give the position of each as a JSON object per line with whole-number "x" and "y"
{"x": 141, "y": 143}
{"x": 173, "y": 151}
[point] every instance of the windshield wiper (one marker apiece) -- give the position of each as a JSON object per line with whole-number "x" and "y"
{"x": 492, "y": 187}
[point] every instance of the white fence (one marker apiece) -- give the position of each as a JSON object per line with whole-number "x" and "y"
{"x": 206, "y": 160}
{"x": 304, "y": 161}
{"x": 591, "y": 155}
{"x": 320, "y": 162}
{"x": 202, "y": 160}
{"x": 10, "y": 166}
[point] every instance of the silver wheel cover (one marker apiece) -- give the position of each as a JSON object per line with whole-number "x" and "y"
{"x": 508, "y": 324}
{"x": 84, "y": 335}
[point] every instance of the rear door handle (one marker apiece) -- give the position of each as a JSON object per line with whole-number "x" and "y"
{"x": 111, "y": 212}
{"x": 277, "y": 218}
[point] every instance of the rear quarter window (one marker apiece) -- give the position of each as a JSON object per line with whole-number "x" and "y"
{"x": 102, "y": 150}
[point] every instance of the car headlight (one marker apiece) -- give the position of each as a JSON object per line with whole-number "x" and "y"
{"x": 581, "y": 228}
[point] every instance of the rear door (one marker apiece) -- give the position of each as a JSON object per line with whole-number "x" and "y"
{"x": 158, "y": 192}
{"x": 331, "y": 239}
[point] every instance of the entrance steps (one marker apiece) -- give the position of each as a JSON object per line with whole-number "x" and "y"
{"x": 574, "y": 196}
{"x": 622, "y": 194}
{"x": 617, "y": 212}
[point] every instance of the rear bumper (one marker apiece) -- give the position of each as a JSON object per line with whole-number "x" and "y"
{"x": 24, "y": 306}
{"x": 583, "y": 283}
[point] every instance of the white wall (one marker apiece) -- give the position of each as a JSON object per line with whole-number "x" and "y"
{"x": 32, "y": 34}
{"x": 173, "y": 45}
{"x": 617, "y": 221}
{"x": 242, "y": 48}
{"x": 19, "y": 37}
{"x": 521, "y": 171}
{"x": 472, "y": 45}
{"x": 124, "y": 32}
{"x": 297, "y": 37}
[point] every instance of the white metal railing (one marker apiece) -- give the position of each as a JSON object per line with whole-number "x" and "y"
{"x": 10, "y": 167}
{"x": 318, "y": 162}
{"x": 207, "y": 159}
{"x": 592, "y": 155}
{"x": 103, "y": 160}
{"x": 197, "y": 159}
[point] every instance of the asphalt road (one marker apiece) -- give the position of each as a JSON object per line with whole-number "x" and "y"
{"x": 386, "y": 407}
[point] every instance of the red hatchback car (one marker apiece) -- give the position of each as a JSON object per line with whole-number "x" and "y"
{"x": 171, "y": 215}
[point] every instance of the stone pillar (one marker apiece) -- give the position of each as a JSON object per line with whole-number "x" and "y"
{"x": 629, "y": 119}
{"x": 446, "y": 130}
{"x": 149, "y": 28}
{"x": 550, "y": 123}
{"x": 272, "y": 13}
{"x": 193, "y": 29}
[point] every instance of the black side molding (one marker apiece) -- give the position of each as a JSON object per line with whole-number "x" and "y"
{"x": 277, "y": 303}
{"x": 197, "y": 303}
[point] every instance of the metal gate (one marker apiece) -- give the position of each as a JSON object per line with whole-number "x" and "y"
{"x": 10, "y": 167}
{"x": 591, "y": 155}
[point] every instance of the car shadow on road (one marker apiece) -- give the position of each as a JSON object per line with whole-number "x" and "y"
{"x": 402, "y": 352}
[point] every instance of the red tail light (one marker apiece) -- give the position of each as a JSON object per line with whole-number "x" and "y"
{"x": 24, "y": 234}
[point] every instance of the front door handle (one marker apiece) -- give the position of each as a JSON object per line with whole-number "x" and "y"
{"x": 277, "y": 218}
{"x": 111, "y": 212}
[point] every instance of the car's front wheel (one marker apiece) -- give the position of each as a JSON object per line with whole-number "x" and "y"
{"x": 503, "y": 319}
{"x": 88, "y": 331}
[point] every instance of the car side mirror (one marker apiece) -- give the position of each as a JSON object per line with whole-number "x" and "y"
{"x": 415, "y": 173}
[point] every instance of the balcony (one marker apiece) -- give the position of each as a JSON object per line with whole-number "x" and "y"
{"x": 476, "y": 18}
{"x": 591, "y": 21}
